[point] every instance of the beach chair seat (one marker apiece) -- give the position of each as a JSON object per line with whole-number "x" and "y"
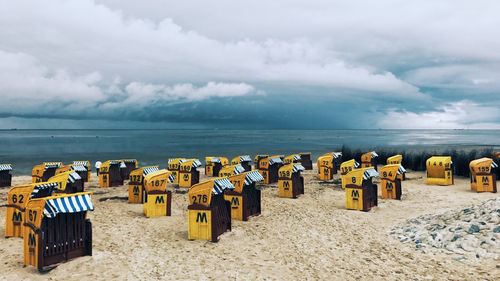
{"x": 214, "y": 164}
{"x": 136, "y": 183}
{"x": 110, "y": 173}
{"x": 157, "y": 199}
{"x": 269, "y": 167}
{"x": 245, "y": 198}
{"x": 188, "y": 173}
{"x": 345, "y": 168}
{"x": 244, "y": 160}
{"x": 327, "y": 165}
{"x": 482, "y": 175}
{"x": 390, "y": 182}
{"x": 5, "y": 175}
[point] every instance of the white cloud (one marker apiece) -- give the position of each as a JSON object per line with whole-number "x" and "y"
{"x": 28, "y": 88}
{"x": 458, "y": 115}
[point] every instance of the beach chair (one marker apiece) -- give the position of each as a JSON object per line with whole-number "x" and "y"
{"x": 268, "y": 168}
{"x": 290, "y": 182}
{"x": 78, "y": 166}
{"x": 68, "y": 182}
{"x": 245, "y": 198}
{"x": 42, "y": 172}
{"x": 439, "y": 170}
{"x": 136, "y": 183}
{"x": 345, "y": 168}
{"x": 188, "y": 173}
{"x": 209, "y": 215}
{"x": 110, "y": 173}
{"x": 369, "y": 159}
{"x": 57, "y": 229}
{"x": 397, "y": 160}
{"x": 328, "y": 164}
{"x": 130, "y": 165}
{"x": 293, "y": 158}
{"x": 214, "y": 164}
{"x": 5, "y": 175}
{"x": 257, "y": 160}
{"x": 174, "y": 165}
{"x": 482, "y": 175}
{"x": 244, "y": 160}
{"x": 79, "y": 169}
{"x": 157, "y": 199}
{"x": 17, "y": 199}
{"x": 360, "y": 191}
{"x": 390, "y": 182}
{"x": 306, "y": 160}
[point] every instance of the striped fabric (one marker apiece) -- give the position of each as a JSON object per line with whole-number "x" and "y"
{"x": 80, "y": 163}
{"x": 123, "y": 165}
{"x": 275, "y": 160}
{"x": 238, "y": 169}
{"x": 171, "y": 178}
{"x": 180, "y": 161}
{"x": 370, "y": 173}
{"x": 356, "y": 164}
{"x": 253, "y": 176}
{"x": 296, "y": 157}
{"x": 374, "y": 154}
{"x": 68, "y": 204}
{"x": 401, "y": 170}
{"x": 494, "y": 165}
{"x": 337, "y": 155}
{"x": 215, "y": 160}
{"x": 220, "y": 185}
{"x": 73, "y": 177}
{"x": 196, "y": 163}
{"x": 45, "y": 188}
{"x": 297, "y": 168}
{"x": 49, "y": 165}
{"x": 114, "y": 162}
{"x": 129, "y": 160}
{"x": 245, "y": 158}
{"x": 79, "y": 168}
{"x": 149, "y": 170}
{"x": 5, "y": 167}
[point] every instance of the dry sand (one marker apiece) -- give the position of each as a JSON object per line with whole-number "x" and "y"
{"x": 312, "y": 237}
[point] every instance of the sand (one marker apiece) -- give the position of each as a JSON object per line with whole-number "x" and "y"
{"x": 312, "y": 237}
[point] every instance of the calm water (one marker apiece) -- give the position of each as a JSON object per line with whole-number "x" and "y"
{"x": 24, "y": 148}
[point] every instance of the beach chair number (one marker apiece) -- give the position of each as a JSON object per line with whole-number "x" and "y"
{"x": 285, "y": 174}
{"x": 158, "y": 182}
{"x": 136, "y": 178}
{"x": 32, "y": 215}
{"x": 200, "y": 199}
{"x": 15, "y": 199}
{"x": 353, "y": 179}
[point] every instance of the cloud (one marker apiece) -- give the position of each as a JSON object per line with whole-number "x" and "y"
{"x": 458, "y": 115}
{"x": 356, "y": 61}
{"x": 30, "y": 89}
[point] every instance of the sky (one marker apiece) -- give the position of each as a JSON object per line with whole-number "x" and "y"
{"x": 282, "y": 64}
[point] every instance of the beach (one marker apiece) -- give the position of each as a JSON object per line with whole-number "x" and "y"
{"x": 309, "y": 238}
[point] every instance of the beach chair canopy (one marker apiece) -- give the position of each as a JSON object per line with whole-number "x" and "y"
{"x": 158, "y": 180}
{"x": 335, "y": 155}
{"x": 175, "y": 163}
{"x": 202, "y": 193}
{"x": 391, "y": 171}
{"x": 289, "y": 169}
{"x": 483, "y": 165}
{"x": 78, "y": 168}
{"x": 245, "y": 179}
{"x": 189, "y": 164}
{"x": 210, "y": 160}
{"x": 348, "y": 166}
{"x": 396, "y": 159}
{"x": 5, "y": 167}
{"x": 275, "y": 160}
{"x": 52, "y": 165}
{"x": 67, "y": 203}
{"x": 43, "y": 189}
{"x": 84, "y": 163}
{"x": 367, "y": 157}
{"x": 241, "y": 159}
{"x": 357, "y": 176}
{"x": 130, "y": 161}
{"x": 292, "y": 158}
{"x": 436, "y": 166}
{"x": 65, "y": 178}
{"x": 231, "y": 170}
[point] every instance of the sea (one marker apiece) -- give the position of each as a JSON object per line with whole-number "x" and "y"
{"x": 26, "y": 148}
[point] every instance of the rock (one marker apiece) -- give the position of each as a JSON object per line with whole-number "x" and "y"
{"x": 473, "y": 229}
{"x": 496, "y": 230}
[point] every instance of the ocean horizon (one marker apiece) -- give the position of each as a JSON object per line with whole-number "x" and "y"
{"x": 24, "y": 148}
